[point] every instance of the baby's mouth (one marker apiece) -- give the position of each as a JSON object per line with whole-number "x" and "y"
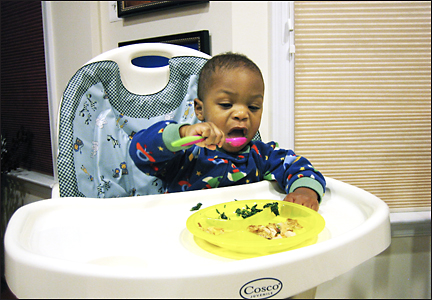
{"x": 237, "y": 132}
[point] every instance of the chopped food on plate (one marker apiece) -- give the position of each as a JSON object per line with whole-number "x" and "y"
{"x": 212, "y": 230}
{"x": 276, "y": 230}
{"x": 271, "y": 231}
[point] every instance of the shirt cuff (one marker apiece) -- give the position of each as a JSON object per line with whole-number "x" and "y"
{"x": 308, "y": 183}
{"x": 170, "y": 134}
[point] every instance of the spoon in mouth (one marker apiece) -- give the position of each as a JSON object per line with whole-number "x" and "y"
{"x": 237, "y": 141}
{"x": 190, "y": 140}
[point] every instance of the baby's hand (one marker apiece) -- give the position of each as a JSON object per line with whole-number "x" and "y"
{"x": 212, "y": 134}
{"x": 305, "y": 197}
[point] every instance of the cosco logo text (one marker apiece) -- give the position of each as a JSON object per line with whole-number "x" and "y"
{"x": 261, "y": 288}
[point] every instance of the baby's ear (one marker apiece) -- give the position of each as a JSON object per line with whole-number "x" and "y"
{"x": 199, "y": 109}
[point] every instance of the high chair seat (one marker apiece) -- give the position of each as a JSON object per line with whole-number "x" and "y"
{"x": 106, "y": 102}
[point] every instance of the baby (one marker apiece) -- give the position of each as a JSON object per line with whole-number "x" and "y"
{"x": 229, "y": 104}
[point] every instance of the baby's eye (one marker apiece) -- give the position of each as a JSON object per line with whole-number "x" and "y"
{"x": 254, "y": 108}
{"x": 225, "y": 105}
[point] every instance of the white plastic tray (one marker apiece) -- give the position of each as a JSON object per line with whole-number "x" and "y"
{"x": 140, "y": 247}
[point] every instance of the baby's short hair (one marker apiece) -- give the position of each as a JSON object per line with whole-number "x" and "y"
{"x": 222, "y": 62}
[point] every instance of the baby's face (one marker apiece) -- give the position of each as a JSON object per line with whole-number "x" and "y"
{"x": 234, "y": 103}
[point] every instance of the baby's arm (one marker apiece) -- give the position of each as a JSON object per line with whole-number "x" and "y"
{"x": 151, "y": 148}
{"x": 303, "y": 184}
{"x": 149, "y": 151}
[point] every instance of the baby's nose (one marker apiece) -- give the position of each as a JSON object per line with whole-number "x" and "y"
{"x": 241, "y": 114}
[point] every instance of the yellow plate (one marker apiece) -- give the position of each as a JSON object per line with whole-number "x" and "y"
{"x": 237, "y": 238}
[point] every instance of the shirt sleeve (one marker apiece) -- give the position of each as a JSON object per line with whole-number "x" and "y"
{"x": 292, "y": 172}
{"x": 151, "y": 149}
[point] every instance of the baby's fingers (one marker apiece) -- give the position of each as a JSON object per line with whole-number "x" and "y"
{"x": 213, "y": 137}
{"x": 304, "y": 201}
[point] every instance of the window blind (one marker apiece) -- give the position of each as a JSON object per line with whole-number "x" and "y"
{"x": 24, "y": 100}
{"x": 362, "y": 95}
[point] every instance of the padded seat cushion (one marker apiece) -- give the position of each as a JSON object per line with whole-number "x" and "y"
{"x": 98, "y": 118}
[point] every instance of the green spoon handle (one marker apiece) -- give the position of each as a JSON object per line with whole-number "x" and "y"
{"x": 188, "y": 140}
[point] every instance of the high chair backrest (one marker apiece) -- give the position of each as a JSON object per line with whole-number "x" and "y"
{"x": 106, "y": 102}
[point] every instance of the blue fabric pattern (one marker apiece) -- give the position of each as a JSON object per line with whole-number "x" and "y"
{"x": 98, "y": 118}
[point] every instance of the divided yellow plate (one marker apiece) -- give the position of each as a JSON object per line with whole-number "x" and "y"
{"x": 237, "y": 238}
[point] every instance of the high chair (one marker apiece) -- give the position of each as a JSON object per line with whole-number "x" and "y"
{"x": 81, "y": 246}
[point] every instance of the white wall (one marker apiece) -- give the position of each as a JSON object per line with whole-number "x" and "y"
{"x": 82, "y": 30}
{"x": 75, "y": 39}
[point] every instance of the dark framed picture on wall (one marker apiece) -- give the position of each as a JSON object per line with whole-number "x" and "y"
{"x": 133, "y": 8}
{"x": 198, "y": 40}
